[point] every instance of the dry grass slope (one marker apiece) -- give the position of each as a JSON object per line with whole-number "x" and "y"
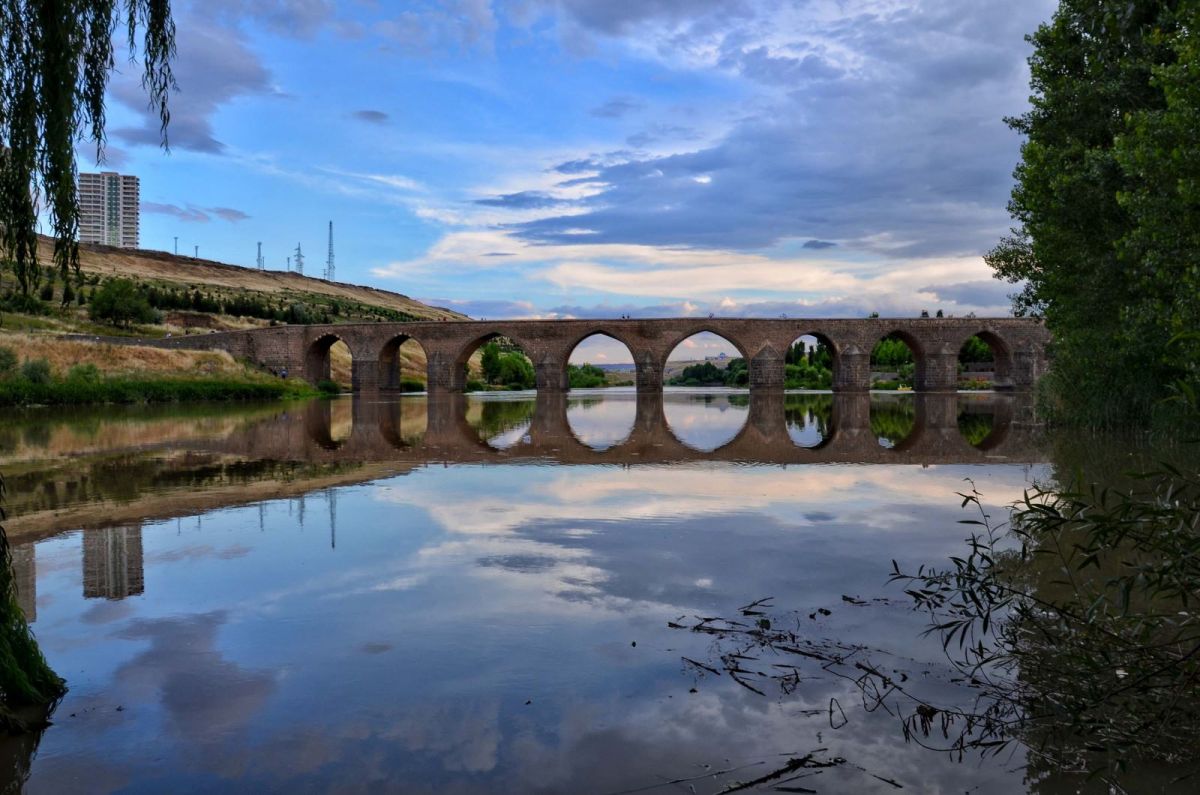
{"x": 190, "y": 272}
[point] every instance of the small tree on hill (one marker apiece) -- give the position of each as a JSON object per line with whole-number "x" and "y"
{"x": 119, "y": 303}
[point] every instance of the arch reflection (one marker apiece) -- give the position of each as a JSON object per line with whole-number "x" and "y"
{"x": 809, "y": 419}
{"x": 765, "y": 428}
{"x": 705, "y": 422}
{"x": 602, "y": 422}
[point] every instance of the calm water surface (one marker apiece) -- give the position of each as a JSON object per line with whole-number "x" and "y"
{"x": 474, "y": 595}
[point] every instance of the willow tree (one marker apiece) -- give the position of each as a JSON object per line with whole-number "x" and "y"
{"x": 56, "y": 57}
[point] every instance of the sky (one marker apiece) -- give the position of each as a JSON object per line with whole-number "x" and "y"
{"x": 581, "y": 158}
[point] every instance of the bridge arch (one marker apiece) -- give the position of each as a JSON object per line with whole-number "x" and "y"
{"x": 575, "y": 356}
{"x": 318, "y": 364}
{"x": 458, "y": 374}
{"x": 805, "y": 361}
{"x": 673, "y": 344}
{"x": 1001, "y": 356}
{"x": 391, "y": 357}
{"x": 885, "y": 355}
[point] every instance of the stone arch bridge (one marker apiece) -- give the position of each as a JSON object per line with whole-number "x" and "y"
{"x": 1018, "y": 345}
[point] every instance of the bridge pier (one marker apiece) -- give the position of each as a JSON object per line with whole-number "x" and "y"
{"x": 767, "y": 371}
{"x": 364, "y": 377}
{"x": 937, "y": 371}
{"x": 852, "y": 370}
{"x": 649, "y": 371}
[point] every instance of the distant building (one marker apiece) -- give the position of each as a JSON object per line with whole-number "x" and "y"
{"x": 109, "y": 209}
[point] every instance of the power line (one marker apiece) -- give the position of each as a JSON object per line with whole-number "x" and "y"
{"x": 329, "y": 262}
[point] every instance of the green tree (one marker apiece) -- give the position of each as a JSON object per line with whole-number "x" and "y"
{"x": 1100, "y": 243}
{"x": 119, "y": 303}
{"x": 491, "y": 363}
{"x": 58, "y": 56}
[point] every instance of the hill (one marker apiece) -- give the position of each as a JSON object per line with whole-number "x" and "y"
{"x": 163, "y": 268}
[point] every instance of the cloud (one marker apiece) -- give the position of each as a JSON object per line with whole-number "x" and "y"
{"x": 616, "y": 108}
{"x": 982, "y": 293}
{"x": 293, "y": 18}
{"x": 214, "y": 67}
{"x": 371, "y": 116}
{"x": 494, "y": 309}
{"x": 878, "y": 126}
{"x": 192, "y": 214}
{"x": 523, "y": 200}
{"x": 111, "y": 157}
{"x": 229, "y": 214}
{"x": 429, "y": 28}
{"x": 818, "y": 245}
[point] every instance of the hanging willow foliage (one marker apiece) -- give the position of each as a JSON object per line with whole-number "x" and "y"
{"x": 57, "y": 56}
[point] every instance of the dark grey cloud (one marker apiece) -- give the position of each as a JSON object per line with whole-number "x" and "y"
{"x": 617, "y": 107}
{"x": 898, "y": 149}
{"x": 524, "y": 200}
{"x": 214, "y": 66}
{"x": 818, "y": 245}
{"x": 371, "y": 116}
{"x": 192, "y": 214}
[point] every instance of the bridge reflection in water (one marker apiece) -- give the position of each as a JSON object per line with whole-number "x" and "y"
{"x": 843, "y": 428}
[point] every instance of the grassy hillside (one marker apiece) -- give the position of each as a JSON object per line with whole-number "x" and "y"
{"x": 196, "y": 296}
{"x": 159, "y": 267}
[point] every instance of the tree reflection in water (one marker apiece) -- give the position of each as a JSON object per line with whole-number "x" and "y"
{"x": 1070, "y": 631}
{"x": 892, "y": 418}
{"x": 501, "y": 423}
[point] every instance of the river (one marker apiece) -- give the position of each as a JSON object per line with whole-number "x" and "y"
{"x": 477, "y": 594}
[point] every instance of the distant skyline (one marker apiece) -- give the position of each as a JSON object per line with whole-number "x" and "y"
{"x": 584, "y": 157}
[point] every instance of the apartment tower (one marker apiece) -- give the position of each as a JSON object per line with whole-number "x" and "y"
{"x": 109, "y": 209}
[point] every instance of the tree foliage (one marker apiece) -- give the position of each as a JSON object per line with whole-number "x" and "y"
{"x": 1107, "y": 203}
{"x": 120, "y": 303}
{"x": 57, "y": 56}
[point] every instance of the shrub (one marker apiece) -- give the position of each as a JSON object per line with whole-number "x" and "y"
{"x": 474, "y": 385}
{"x": 36, "y": 371}
{"x": 329, "y": 387}
{"x": 87, "y": 373}
{"x": 412, "y": 385}
{"x": 47, "y": 292}
{"x": 8, "y": 362}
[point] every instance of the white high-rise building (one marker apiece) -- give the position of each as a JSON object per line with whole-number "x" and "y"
{"x": 109, "y": 207}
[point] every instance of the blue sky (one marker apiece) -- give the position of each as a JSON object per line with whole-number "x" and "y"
{"x": 591, "y": 157}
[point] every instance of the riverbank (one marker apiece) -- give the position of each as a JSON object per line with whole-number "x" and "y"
{"x": 50, "y": 370}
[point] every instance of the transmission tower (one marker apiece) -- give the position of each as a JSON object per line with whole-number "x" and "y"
{"x": 329, "y": 262}
{"x": 299, "y": 260}
{"x": 261, "y": 264}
